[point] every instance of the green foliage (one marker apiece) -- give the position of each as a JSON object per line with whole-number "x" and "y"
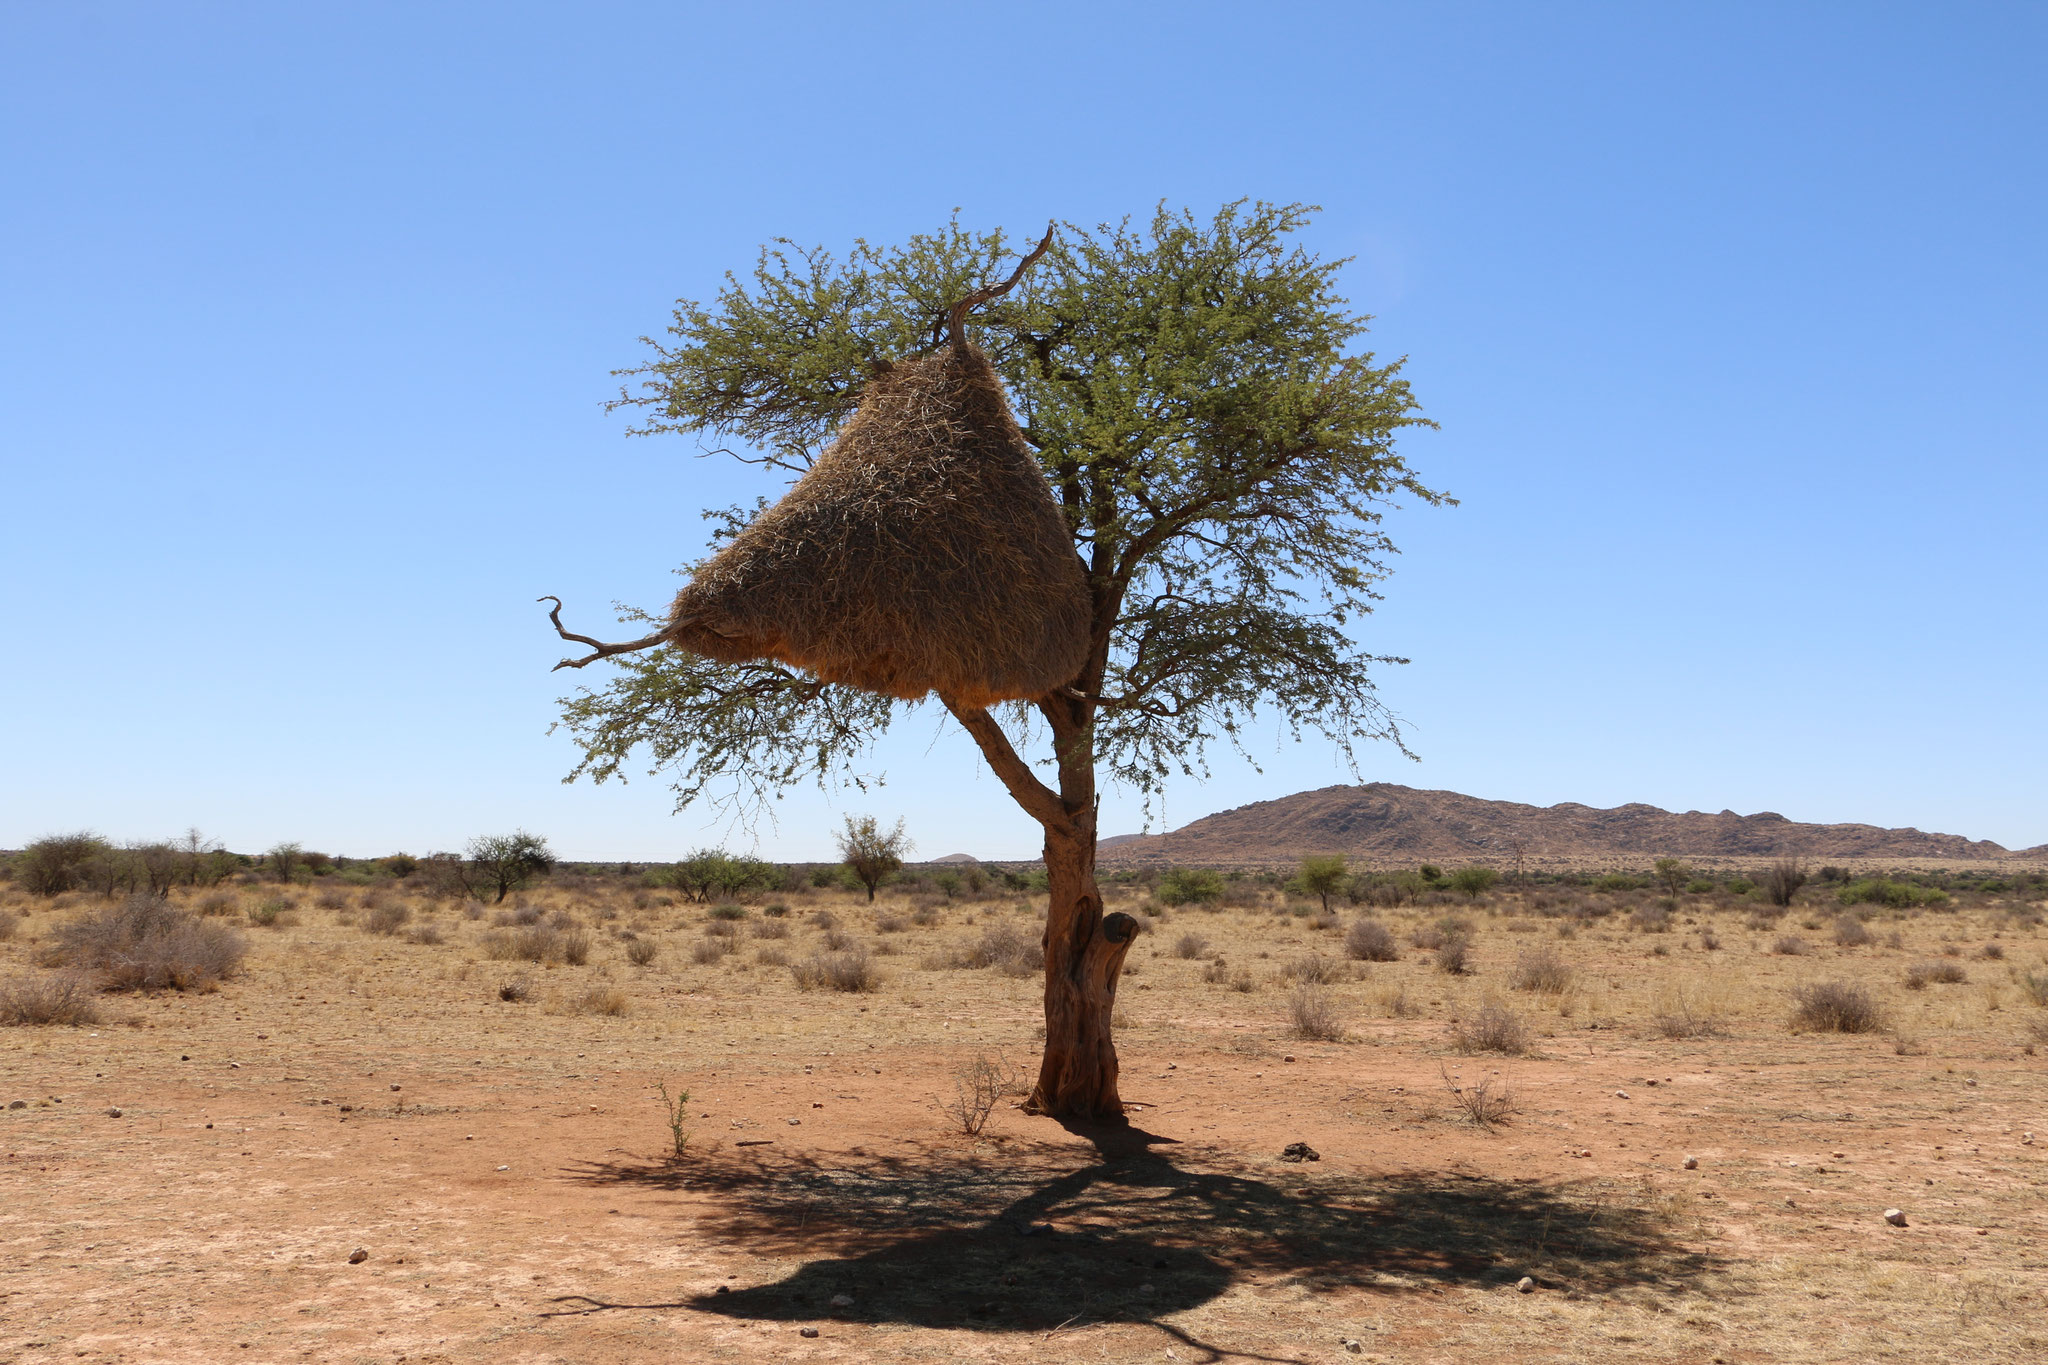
{"x": 1189, "y": 886}
{"x": 1741, "y": 886}
{"x": 1617, "y": 881}
{"x": 870, "y": 852}
{"x": 1897, "y": 895}
{"x": 1430, "y": 873}
{"x": 709, "y": 874}
{"x": 675, "y": 1112}
{"x": 1222, "y": 449}
{"x": 503, "y": 863}
{"x": 1474, "y": 881}
{"x": 1671, "y": 874}
{"x": 1320, "y": 877}
{"x": 1699, "y": 886}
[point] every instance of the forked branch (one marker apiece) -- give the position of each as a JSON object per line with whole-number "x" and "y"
{"x": 956, "y": 319}
{"x": 603, "y": 650}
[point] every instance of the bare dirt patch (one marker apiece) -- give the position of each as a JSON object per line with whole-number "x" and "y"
{"x": 507, "y": 1166}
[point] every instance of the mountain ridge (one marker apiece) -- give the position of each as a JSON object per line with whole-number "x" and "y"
{"x": 1392, "y": 823}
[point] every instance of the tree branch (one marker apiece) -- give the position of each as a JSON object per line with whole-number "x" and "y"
{"x": 956, "y": 318}
{"x": 603, "y": 650}
{"x": 1040, "y": 801}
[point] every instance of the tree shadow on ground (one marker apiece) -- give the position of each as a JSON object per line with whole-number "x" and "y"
{"x": 1018, "y": 1240}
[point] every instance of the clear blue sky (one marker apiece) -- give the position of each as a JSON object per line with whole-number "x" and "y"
{"x": 1733, "y": 316}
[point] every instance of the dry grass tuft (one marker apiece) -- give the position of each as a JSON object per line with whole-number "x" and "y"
{"x": 1313, "y": 969}
{"x": 1190, "y": 946}
{"x": 852, "y": 970}
{"x": 1935, "y": 971}
{"x": 1791, "y": 945}
{"x": 1541, "y": 970}
{"x": 48, "y": 998}
{"x": 642, "y": 951}
{"x": 1835, "y": 1007}
{"x": 387, "y": 918}
{"x": 1851, "y": 933}
{"x": 1493, "y": 1027}
{"x": 606, "y": 1000}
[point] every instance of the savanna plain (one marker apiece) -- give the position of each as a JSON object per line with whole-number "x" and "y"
{"x": 1577, "y": 1118}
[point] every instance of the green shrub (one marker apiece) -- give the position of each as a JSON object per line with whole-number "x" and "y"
{"x": 1617, "y": 881}
{"x": 1699, "y": 886}
{"x": 1189, "y": 886}
{"x": 1895, "y": 895}
{"x": 1474, "y": 881}
{"x": 1741, "y": 886}
{"x": 147, "y": 944}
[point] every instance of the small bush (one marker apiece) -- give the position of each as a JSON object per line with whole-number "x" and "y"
{"x": 146, "y": 944}
{"x": 1992, "y": 952}
{"x": 770, "y": 928}
{"x": 220, "y": 903}
{"x": 1492, "y": 1028}
{"x": 775, "y": 910}
{"x": 978, "y": 1087}
{"x": 517, "y": 991}
{"x": 729, "y": 911}
{"x": 1008, "y": 949}
{"x": 890, "y": 924}
{"x": 538, "y": 943}
{"x": 642, "y": 951}
{"x": 1851, "y": 933}
{"x": 48, "y": 998}
{"x": 1217, "y": 973}
{"x": 1190, "y": 946}
{"x": 708, "y": 952}
{"x": 270, "y": 912}
{"x": 1936, "y": 971}
{"x": 771, "y": 957}
{"x": 725, "y": 928}
{"x": 575, "y": 947}
{"x": 1480, "y": 1102}
{"x": 1791, "y": 945}
{"x": 852, "y": 971}
{"x": 2035, "y": 984}
{"x": 1835, "y": 1007}
{"x": 388, "y": 918}
{"x": 1455, "y": 957}
{"x": 1370, "y": 941}
{"x": 1541, "y": 970}
{"x": 1313, "y": 1013}
{"x": 424, "y": 935}
{"x": 1189, "y": 886}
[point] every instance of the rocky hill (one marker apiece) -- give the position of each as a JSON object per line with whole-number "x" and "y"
{"x": 1397, "y": 825}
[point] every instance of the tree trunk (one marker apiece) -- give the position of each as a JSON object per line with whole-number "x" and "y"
{"x": 1084, "y": 957}
{"x": 1084, "y": 949}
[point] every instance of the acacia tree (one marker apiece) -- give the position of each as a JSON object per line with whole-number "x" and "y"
{"x": 504, "y": 863}
{"x": 870, "y": 852}
{"x": 1222, "y": 451}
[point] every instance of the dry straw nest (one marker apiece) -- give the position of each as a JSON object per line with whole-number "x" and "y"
{"x": 923, "y": 552}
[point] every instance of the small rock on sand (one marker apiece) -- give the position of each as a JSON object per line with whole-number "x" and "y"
{"x": 807, "y": 1331}
{"x": 1692, "y": 1163}
{"x": 1525, "y": 1285}
{"x": 358, "y": 1256}
{"x": 1895, "y": 1218}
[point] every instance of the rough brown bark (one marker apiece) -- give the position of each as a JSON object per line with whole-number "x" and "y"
{"x": 1084, "y": 949}
{"x": 1084, "y": 957}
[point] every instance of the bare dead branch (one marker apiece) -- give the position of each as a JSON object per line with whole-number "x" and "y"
{"x": 957, "y": 318}
{"x": 603, "y": 650}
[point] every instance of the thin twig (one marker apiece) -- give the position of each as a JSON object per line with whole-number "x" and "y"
{"x": 603, "y": 650}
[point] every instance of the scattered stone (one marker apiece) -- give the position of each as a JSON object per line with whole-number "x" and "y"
{"x": 395, "y": 1087}
{"x": 2026, "y": 1139}
{"x": 504, "y": 1168}
{"x": 1525, "y": 1285}
{"x": 807, "y": 1331}
{"x": 842, "y": 1300}
{"x": 1353, "y": 1345}
{"x": 795, "y": 1122}
{"x": 1288, "y": 1058}
{"x": 1299, "y": 1151}
{"x": 358, "y": 1256}
{"x": 23, "y": 1104}
{"x": 815, "y": 1104}
{"x": 1692, "y": 1163}
{"x": 114, "y": 1112}
{"x": 1621, "y": 1094}
{"x": 1895, "y": 1218}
